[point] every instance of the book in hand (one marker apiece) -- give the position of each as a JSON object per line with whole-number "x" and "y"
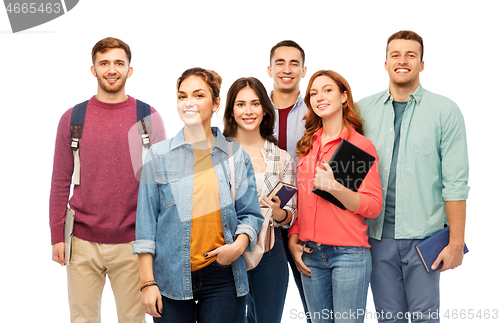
{"x": 429, "y": 249}
{"x": 349, "y": 164}
{"x": 284, "y": 191}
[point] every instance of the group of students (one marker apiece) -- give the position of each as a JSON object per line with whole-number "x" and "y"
{"x": 182, "y": 230}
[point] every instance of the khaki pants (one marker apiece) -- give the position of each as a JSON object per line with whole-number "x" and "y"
{"x": 90, "y": 264}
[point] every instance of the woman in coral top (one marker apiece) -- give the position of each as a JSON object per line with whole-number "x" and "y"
{"x": 330, "y": 245}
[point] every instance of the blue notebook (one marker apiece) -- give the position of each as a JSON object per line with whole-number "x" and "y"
{"x": 284, "y": 191}
{"x": 429, "y": 249}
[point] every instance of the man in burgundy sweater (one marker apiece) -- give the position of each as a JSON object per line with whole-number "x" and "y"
{"x": 105, "y": 201}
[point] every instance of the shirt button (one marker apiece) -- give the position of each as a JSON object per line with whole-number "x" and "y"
{"x": 389, "y": 149}
{"x": 387, "y": 168}
{"x": 383, "y": 188}
{"x": 390, "y": 130}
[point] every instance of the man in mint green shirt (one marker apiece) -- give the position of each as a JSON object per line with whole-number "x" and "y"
{"x": 421, "y": 142}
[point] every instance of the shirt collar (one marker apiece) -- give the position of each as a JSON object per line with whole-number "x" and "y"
{"x": 417, "y": 95}
{"x": 268, "y": 146}
{"x": 316, "y": 147}
{"x": 343, "y": 135}
{"x": 267, "y": 150}
{"x": 220, "y": 140}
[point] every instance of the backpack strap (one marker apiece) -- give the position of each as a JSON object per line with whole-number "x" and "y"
{"x": 75, "y": 132}
{"x": 144, "y": 125}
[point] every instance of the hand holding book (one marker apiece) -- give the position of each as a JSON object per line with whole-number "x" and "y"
{"x": 284, "y": 192}
{"x": 430, "y": 249}
{"x": 274, "y": 204}
{"x": 324, "y": 180}
{"x": 449, "y": 258}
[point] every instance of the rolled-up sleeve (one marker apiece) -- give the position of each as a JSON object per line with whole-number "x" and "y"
{"x": 144, "y": 246}
{"x": 454, "y": 156}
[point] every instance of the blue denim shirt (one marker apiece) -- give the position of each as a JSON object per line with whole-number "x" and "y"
{"x": 163, "y": 224}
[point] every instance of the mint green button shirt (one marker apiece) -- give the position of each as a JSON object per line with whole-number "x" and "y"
{"x": 432, "y": 167}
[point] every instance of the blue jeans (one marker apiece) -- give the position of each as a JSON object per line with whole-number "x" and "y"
{"x": 338, "y": 286}
{"x": 295, "y": 272}
{"x": 402, "y": 288}
{"x": 214, "y": 300}
{"x": 268, "y": 284}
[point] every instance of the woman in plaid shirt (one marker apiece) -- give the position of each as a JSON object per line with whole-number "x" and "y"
{"x": 249, "y": 117}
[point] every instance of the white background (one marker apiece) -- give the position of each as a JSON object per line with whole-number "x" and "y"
{"x": 46, "y": 70}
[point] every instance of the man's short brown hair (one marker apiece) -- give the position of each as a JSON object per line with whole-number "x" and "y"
{"x": 406, "y": 35}
{"x": 108, "y": 43}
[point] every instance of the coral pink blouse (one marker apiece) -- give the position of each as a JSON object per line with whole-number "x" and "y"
{"x": 319, "y": 220}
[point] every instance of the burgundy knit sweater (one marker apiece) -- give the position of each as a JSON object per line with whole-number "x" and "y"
{"x": 110, "y": 156}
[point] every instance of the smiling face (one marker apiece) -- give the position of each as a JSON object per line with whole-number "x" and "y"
{"x": 194, "y": 102}
{"x": 326, "y": 99}
{"x": 111, "y": 68}
{"x": 287, "y": 68}
{"x": 404, "y": 63}
{"x": 247, "y": 110}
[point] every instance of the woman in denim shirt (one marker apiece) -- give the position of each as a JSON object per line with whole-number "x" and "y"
{"x": 249, "y": 117}
{"x": 188, "y": 230}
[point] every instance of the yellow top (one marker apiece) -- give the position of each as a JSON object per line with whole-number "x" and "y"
{"x": 206, "y": 225}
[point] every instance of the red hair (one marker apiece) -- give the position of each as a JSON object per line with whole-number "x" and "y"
{"x": 350, "y": 112}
